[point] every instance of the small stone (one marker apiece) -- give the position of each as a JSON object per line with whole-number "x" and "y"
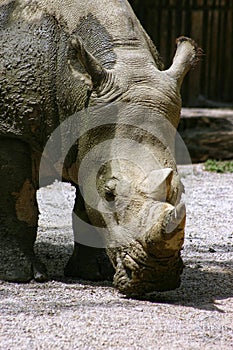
{"x": 212, "y": 250}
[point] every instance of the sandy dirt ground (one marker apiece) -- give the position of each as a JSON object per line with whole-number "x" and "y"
{"x": 71, "y": 314}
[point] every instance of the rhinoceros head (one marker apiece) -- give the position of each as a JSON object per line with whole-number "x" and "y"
{"x": 143, "y": 232}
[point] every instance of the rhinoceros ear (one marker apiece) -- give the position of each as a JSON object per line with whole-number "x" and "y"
{"x": 187, "y": 55}
{"x": 156, "y": 185}
{"x": 97, "y": 73}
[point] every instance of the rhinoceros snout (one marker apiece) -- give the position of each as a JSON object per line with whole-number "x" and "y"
{"x": 133, "y": 278}
{"x": 152, "y": 262}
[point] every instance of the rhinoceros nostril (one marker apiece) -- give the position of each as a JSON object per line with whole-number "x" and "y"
{"x": 128, "y": 272}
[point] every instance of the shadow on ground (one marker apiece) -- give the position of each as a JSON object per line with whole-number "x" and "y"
{"x": 202, "y": 283}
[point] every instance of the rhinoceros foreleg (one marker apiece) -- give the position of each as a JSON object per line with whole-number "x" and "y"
{"x": 87, "y": 262}
{"x": 18, "y": 214}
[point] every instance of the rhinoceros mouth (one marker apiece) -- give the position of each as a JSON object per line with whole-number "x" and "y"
{"x": 147, "y": 274}
{"x": 131, "y": 282}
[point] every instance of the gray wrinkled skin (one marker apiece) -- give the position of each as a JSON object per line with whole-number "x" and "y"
{"x": 58, "y": 58}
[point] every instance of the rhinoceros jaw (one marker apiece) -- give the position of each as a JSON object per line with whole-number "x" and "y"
{"x": 138, "y": 272}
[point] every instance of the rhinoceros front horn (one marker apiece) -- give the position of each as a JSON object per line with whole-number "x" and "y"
{"x": 96, "y": 71}
{"x": 167, "y": 235}
{"x": 174, "y": 219}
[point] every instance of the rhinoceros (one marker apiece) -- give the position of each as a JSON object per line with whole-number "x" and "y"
{"x": 92, "y": 61}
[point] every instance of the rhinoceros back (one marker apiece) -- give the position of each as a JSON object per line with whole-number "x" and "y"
{"x": 37, "y": 89}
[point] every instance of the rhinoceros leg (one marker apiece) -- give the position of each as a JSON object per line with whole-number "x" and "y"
{"x": 18, "y": 214}
{"x": 87, "y": 262}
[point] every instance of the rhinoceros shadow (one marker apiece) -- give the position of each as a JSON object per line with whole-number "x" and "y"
{"x": 200, "y": 288}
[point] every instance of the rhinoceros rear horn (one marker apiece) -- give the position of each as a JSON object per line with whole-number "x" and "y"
{"x": 97, "y": 73}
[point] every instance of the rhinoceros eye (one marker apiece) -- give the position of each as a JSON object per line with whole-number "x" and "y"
{"x": 109, "y": 196}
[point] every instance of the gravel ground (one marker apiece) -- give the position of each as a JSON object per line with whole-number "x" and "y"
{"x": 69, "y": 314}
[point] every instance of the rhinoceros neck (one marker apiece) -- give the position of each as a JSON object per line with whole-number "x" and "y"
{"x": 103, "y": 25}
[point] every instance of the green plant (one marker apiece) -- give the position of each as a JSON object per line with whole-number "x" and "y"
{"x": 219, "y": 166}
